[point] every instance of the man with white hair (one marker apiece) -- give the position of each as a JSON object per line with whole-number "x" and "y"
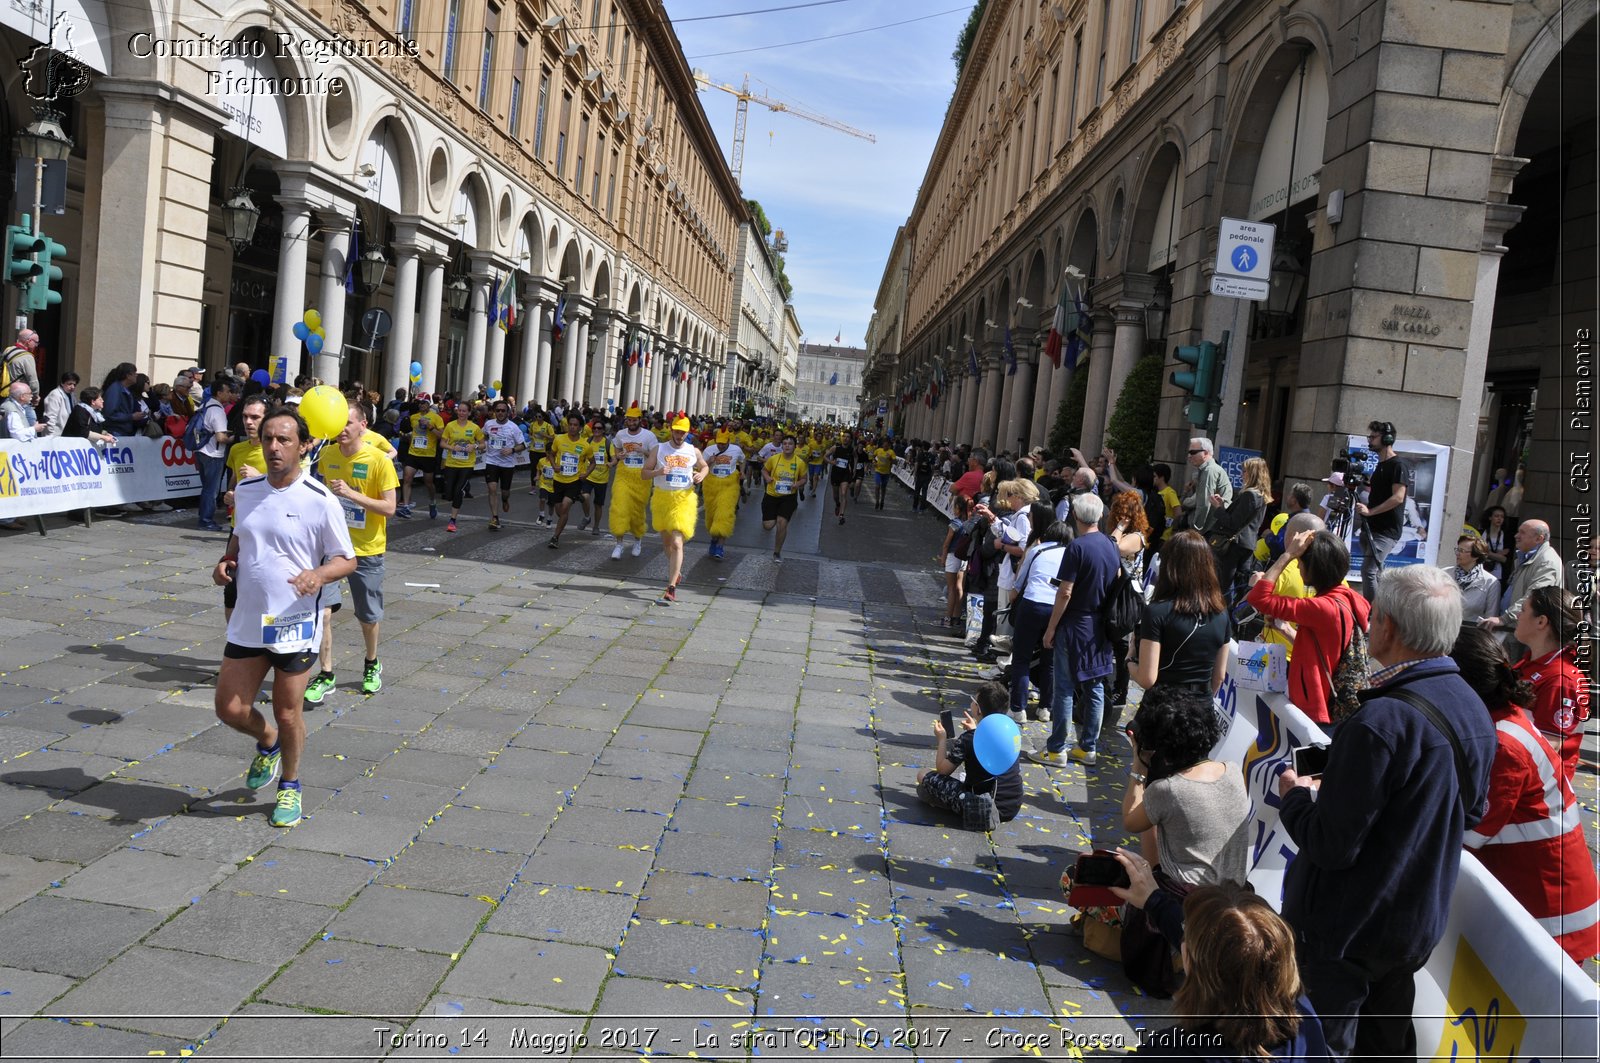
{"x": 19, "y": 361}
{"x": 1369, "y": 891}
{"x": 1537, "y": 565}
{"x": 1077, "y": 633}
{"x": 21, "y": 420}
{"x": 1209, "y": 479}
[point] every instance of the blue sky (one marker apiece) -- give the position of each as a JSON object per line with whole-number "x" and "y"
{"x": 839, "y": 199}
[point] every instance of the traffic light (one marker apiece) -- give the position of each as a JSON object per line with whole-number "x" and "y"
{"x": 1199, "y": 383}
{"x": 21, "y": 246}
{"x": 42, "y": 294}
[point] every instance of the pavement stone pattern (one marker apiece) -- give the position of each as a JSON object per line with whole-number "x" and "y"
{"x": 573, "y": 825}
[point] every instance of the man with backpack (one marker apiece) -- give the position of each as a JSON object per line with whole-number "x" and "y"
{"x": 17, "y": 362}
{"x": 207, "y": 438}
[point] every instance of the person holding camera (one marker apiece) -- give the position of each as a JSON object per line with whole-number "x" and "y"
{"x": 956, "y": 771}
{"x": 1383, "y": 514}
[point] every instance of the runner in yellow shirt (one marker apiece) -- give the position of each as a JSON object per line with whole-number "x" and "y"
{"x": 882, "y": 465}
{"x": 421, "y": 454}
{"x": 570, "y": 456}
{"x": 363, "y": 479}
{"x": 784, "y": 472}
{"x": 540, "y": 433}
{"x": 462, "y": 440}
{"x": 602, "y": 456}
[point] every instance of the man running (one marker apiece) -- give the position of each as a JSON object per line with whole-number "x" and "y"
{"x": 421, "y": 454}
{"x": 721, "y": 490}
{"x": 602, "y": 458}
{"x": 462, "y": 441}
{"x": 540, "y": 433}
{"x": 504, "y": 441}
{"x": 287, "y": 524}
{"x": 815, "y": 455}
{"x": 783, "y": 473}
{"x": 841, "y": 471}
{"x": 569, "y": 455}
{"x": 363, "y": 479}
{"x": 633, "y": 445}
{"x": 673, "y": 509}
{"x": 882, "y": 466}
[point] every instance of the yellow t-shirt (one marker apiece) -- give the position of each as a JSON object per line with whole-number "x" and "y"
{"x": 1169, "y": 498}
{"x": 547, "y": 475}
{"x": 882, "y": 460}
{"x": 661, "y": 434}
{"x": 601, "y": 453}
{"x": 424, "y": 437}
{"x": 746, "y": 443}
{"x": 376, "y": 441}
{"x": 461, "y": 439}
{"x": 371, "y": 472}
{"x": 540, "y": 433}
{"x": 240, "y": 455}
{"x": 786, "y": 474}
{"x": 569, "y": 457}
{"x": 1290, "y": 585}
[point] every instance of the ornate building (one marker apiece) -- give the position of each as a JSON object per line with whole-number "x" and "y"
{"x": 828, "y": 383}
{"x": 439, "y": 179}
{"x": 1403, "y": 154}
{"x": 755, "y": 331}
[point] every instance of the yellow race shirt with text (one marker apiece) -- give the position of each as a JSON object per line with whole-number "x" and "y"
{"x": 786, "y": 474}
{"x": 371, "y": 473}
{"x": 600, "y": 454}
{"x": 540, "y": 433}
{"x": 882, "y": 460}
{"x": 423, "y": 439}
{"x": 568, "y": 456}
{"x": 461, "y": 439}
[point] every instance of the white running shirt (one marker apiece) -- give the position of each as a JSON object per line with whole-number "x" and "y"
{"x": 679, "y": 463}
{"x": 504, "y": 439}
{"x": 634, "y": 447}
{"x": 282, "y": 533}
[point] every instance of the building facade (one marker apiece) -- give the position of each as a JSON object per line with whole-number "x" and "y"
{"x": 1428, "y": 170}
{"x": 417, "y": 171}
{"x": 755, "y": 334}
{"x": 828, "y": 383}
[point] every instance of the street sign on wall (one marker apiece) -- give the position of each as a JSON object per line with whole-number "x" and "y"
{"x": 1244, "y": 259}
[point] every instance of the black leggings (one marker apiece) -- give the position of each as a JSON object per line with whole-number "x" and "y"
{"x": 455, "y": 485}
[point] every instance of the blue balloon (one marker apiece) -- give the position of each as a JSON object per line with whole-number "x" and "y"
{"x": 416, "y": 368}
{"x": 300, "y": 330}
{"x": 997, "y": 743}
{"x": 314, "y": 343}
{"x": 262, "y": 377}
{"x": 490, "y": 392}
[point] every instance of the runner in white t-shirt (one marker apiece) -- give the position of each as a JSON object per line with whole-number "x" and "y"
{"x": 630, "y": 492}
{"x": 285, "y": 524}
{"x": 504, "y": 444}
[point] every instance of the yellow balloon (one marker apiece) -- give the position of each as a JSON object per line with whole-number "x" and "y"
{"x": 325, "y": 411}
{"x": 313, "y": 320}
{"x": 496, "y": 385}
{"x": 318, "y": 332}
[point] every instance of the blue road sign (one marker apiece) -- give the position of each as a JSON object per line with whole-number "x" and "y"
{"x": 1244, "y": 258}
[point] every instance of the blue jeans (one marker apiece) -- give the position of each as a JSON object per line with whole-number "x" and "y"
{"x": 210, "y": 485}
{"x": 1028, "y": 621}
{"x": 1088, "y": 698}
{"x": 1375, "y": 549}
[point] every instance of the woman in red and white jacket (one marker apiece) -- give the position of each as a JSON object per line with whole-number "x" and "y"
{"x": 1531, "y": 837}
{"x": 1547, "y": 626}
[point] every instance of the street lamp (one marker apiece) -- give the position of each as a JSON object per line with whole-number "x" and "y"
{"x": 1155, "y": 315}
{"x": 457, "y": 293}
{"x": 239, "y": 217}
{"x": 44, "y": 138}
{"x": 372, "y": 267}
{"x": 1284, "y": 286}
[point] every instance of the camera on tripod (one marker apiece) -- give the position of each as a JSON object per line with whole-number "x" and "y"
{"x": 1346, "y": 483}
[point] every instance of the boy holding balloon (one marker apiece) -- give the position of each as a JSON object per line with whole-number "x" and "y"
{"x": 981, "y": 760}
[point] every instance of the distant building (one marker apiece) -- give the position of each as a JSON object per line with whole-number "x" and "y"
{"x": 828, "y": 383}
{"x": 755, "y": 331}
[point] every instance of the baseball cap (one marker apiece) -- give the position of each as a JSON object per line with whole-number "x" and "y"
{"x": 1334, "y": 478}
{"x": 423, "y": 396}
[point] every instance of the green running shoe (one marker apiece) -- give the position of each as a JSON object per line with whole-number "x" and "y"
{"x": 287, "y": 814}
{"x": 263, "y": 769}
{"x": 372, "y": 678}
{"x": 319, "y": 688}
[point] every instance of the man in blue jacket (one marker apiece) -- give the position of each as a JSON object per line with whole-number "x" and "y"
{"x": 1380, "y": 836}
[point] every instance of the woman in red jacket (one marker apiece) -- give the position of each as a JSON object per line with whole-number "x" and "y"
{"x": 1531, "y": 836}
{"x": 1547, "y": 627}
{"x": 1326, "y": 622}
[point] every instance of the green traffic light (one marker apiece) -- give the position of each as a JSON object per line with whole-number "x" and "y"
{"x": 42, "y": 296}
{"x": 21, "y": 246}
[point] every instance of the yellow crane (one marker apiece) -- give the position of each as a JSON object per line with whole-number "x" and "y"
{"x": 741, "y": 114}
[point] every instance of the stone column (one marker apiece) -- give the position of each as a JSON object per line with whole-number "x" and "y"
{"x": 426, "y": 348}
{"x": 1021, "y": 402}
{"x": 397, "y": 348}
{"x": 989, "y": 413}
{"x": 569, "y": 356}
{"x": 1127, "y": 346}
{"x": 967, "y": 421}
{"x": 477, "y": 331}
{"x": 580, "y": 371}
{"x": 603, "y": 367}
{"x": 534, "y": 336}
{"x": 494, "y": 362}
{"x": 289, "y": 304}
{"x": 1094, "y": 403}
{"x": 330, "y": 302}
{"x": 1043, "y": 414}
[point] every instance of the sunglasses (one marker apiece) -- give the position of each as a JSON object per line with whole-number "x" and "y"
{"x": 1193, "y": 452}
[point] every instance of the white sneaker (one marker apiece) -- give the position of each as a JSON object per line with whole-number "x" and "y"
{"x": 584, "y": 525}
{"x": 616, "y": 552}
{"x": 638, "y": 545}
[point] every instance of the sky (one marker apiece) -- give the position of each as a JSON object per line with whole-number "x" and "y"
{"x": 838, "y": 199}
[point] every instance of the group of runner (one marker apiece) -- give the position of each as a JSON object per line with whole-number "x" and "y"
{"x": 306, "y": 517}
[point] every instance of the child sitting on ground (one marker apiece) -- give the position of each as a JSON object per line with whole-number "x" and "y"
{"x": 957, "y": 782}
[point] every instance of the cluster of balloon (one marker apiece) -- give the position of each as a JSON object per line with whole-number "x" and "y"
{"x": 416, "y": 373}
{"x": 325, "y": 411}
{"x": 492, "y": 390}
{"x": 308, "y": 330}
{"x": 997, "y": 743}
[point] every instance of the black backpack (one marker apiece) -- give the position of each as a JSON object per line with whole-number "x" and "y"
{"x": 1123, "y": 605}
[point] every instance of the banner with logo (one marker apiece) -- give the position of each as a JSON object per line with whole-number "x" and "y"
{"x": 1427, "y": 470}
{"x": 1496, "y": 986}
{"x": 56, "y": 475}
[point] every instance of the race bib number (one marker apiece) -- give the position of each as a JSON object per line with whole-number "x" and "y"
{"x": 419, "y": 441}
{"x": 842, "y": 463}
{"x": 354, "y": 515}
{"x": 280, "y": 630}
{"x": 569, "y": 464}
{"x": 461, "y": 452}
{"x": 633, "y": 457}
{"x": 723, "y": 469}
{"x": 538, "y": 446}
{"x": 680, "y": 476}
{"x": 783, "y": 487}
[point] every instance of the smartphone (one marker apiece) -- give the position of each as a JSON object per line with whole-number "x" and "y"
{"x": 947, "y": 720}
{"x": 1310, "y": 760}
{"x": 1100, "y": 869}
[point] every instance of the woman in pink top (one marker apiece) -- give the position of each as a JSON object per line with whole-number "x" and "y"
{"x": 1325, "y": 622}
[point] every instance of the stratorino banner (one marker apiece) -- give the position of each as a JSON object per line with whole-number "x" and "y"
{"x": 56, "y": 475}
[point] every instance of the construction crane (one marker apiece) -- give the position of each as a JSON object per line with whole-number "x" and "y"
{"x": 742, "y": 114}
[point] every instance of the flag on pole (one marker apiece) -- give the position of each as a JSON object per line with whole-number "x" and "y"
{"x": 508, "y": 303}
{"x": 632, "y": 347}
{"x": 1058, "y": 323}
{"x": 352, "y": 257}
{"x": 649, "y": 350}
{"x": 833, "y": 380}
{"x": 1078, "y": 339}
{"x": 972, "y": 361}
{"x": 1011, "y": 354}
{"x": 494, "y": 302}
{"x": 558, "y": 323}
{"x": 837, "y": 336}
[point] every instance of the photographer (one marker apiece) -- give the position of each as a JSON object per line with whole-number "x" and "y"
{"x": 1383, "y": 514}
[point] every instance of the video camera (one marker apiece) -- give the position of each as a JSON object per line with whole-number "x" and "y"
{"x": 1349, "y": 466}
